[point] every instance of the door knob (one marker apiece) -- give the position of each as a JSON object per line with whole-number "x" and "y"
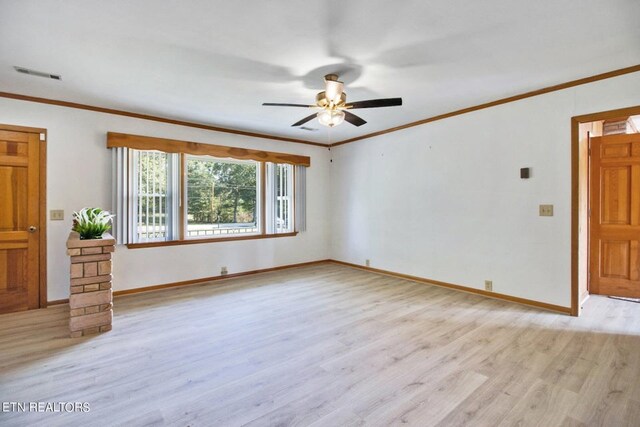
{"x": 33, "y": 229}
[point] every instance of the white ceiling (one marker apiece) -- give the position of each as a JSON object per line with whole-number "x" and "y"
{"x": 215, "y": 62}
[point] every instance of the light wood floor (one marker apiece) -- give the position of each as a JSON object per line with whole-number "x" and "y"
{"x": 327, "y": 345}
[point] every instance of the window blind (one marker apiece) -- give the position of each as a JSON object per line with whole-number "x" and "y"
{"x": 270, "y": 198}
{"x": 300, "y": 210}
{"x": 122, "y": 195}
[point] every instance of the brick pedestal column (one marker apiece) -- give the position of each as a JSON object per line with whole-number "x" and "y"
{"x": 91, "y": 300}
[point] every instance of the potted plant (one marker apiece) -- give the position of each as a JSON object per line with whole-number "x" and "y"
{"x": 91, "y": 223}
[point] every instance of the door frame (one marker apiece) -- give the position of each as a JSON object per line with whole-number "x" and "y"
{"x": 42, "y": 226}
{"x": 575, "y": 192}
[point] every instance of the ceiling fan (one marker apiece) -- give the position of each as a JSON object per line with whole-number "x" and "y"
{"x": 334, "y": 108}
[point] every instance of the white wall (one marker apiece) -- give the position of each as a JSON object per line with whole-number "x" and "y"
{"x": 445, "y": 200}
{"x": 79, "y": 175}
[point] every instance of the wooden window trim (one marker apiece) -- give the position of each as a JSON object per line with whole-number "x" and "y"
{"x": 208, "y": 240}
{"x": 138, "y": 142}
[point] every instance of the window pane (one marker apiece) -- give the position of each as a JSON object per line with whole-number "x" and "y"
{"x": 151, "y": 203}
{"x": 221, "y": 197}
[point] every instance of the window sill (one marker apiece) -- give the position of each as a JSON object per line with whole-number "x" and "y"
{"x": 209, "y": 240}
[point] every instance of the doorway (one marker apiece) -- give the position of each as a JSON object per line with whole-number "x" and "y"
{"x": 606, "y": 208}
{"x": 22, "y": 218}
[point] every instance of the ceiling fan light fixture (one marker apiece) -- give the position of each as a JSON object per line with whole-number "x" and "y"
{"x": 333, "y": 106}
{"x": 334, "y": 90}
{"x": 331, "y": 118}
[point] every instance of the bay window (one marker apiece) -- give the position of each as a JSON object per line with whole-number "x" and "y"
{"x": 173, "y": 192}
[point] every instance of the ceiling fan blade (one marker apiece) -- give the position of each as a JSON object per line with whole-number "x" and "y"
{"x": 353, "y": 119}
{"x": 276, "y": 104}
{"x": 305, "y": 120}
{"x": 375, "y": 103}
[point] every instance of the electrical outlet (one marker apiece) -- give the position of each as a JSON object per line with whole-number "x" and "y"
{"x": 488, "y": 285}
{"x": 546, "y": 210}
{"x": 56, "y": 215}
{"x": 223, "y": 271}
{"x": 367, "y": 263}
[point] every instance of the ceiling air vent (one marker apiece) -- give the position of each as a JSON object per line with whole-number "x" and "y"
{"x": 308, "y": 129}
{"x": 37, "y": 73}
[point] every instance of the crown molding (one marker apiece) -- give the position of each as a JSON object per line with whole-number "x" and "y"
{"x": 78, "y": 106}
{"x": 554, "y": 88}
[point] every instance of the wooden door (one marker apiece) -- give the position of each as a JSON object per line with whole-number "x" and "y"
{"x": 19, "y": 220}
{"x": 615, "y": 215}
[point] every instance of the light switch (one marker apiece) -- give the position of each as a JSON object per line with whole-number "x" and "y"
{"x": 56, "y": 215}
{"x": 546, "y": 210}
